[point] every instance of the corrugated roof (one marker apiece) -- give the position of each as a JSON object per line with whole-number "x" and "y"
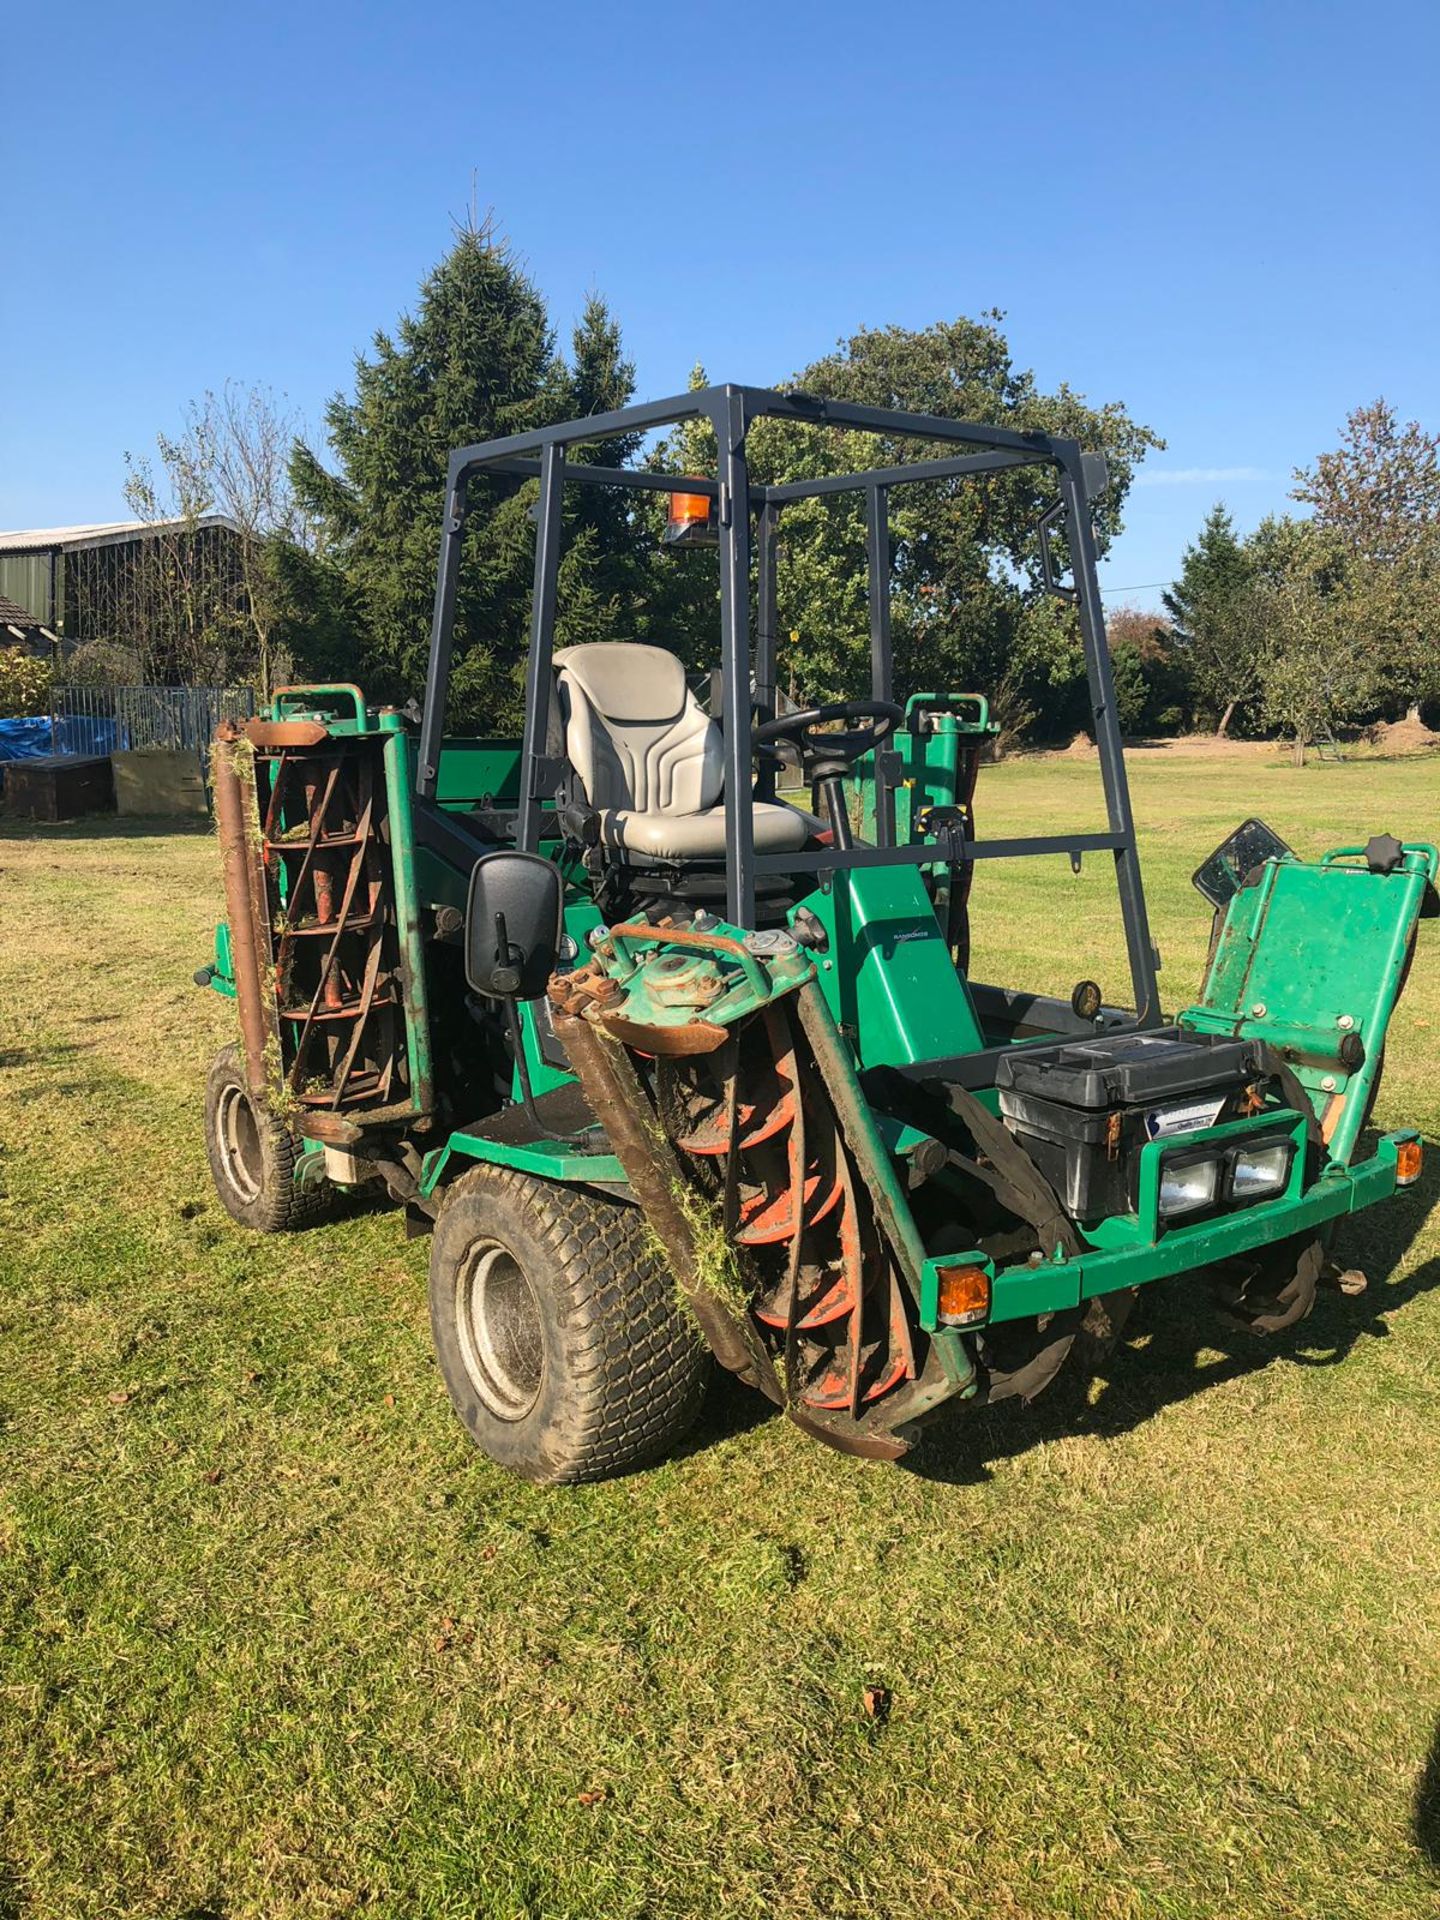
{"x": 106, "y": 533}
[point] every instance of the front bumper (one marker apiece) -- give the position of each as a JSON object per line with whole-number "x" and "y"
{"x": 1140, "y": 1247}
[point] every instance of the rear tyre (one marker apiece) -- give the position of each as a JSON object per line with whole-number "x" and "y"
{"x": 1021, "y": 1358}
{"x": 253, "y": 1155}
{"x": 1274, "y": 1288}
{"x": 559, "y": 1330}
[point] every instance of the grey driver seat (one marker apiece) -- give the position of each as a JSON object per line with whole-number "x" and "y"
{"x": 650, "y": 760}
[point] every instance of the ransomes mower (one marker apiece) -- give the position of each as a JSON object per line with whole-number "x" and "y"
{"x": 679, "y": 1071}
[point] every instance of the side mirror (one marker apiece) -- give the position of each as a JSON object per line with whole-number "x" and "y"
{"x": 513, "y": 925}
{"x": 1222, "y": 876}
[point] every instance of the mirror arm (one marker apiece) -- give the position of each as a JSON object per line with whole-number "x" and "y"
{"x": 527, "y": 1095}
{"x": 507, "y": 971}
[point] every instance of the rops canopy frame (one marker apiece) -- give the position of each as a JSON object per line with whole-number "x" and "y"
{"x": 747, "y": 512}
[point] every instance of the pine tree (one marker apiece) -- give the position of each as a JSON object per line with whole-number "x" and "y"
{"x": 475, "y": 361}
{"x": 1207, "y": 607}
{"x": 606, "y": 548}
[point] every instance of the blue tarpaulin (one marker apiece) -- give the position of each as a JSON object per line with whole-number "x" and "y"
{"x": 28, "y": 739}
{"x": 77, "y": 733}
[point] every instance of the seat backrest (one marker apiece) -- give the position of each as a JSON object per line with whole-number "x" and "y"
{"x": 634, "y": 732}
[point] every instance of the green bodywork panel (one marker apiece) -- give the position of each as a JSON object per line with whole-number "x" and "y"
{"x": 222, "y": 968}
{"x": 1308, "y": 957}
{"x": 478, "y": 773}
{"x": 472, "y": 773}
{"x": 929, "y": 746}
{"x": 550, "y": 1159}
{"x": 887, "y": 974}
{"x": 399, "y": 785}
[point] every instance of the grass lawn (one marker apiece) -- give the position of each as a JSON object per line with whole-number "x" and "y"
{"x": 275, "y": 1640}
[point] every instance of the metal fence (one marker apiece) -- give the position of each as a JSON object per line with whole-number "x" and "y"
{"x": 114, "y": 719}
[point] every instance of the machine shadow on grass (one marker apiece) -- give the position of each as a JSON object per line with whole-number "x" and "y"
{"x": 731, "y": 1408}
{"x": 1425, "y": 1817}
{"x": 1170, "y": 1354}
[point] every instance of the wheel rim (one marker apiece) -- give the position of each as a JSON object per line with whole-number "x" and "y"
{"x": 238, "y": 1139}
{"x": 502, "y": 1340}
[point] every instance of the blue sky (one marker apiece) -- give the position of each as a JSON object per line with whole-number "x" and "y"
{"x": 1224, "y": 216}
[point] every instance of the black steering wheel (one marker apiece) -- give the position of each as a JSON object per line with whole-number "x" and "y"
{"x": 847, "y": 747}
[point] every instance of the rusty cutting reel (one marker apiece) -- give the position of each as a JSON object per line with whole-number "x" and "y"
{"x": 758, "y": 1137}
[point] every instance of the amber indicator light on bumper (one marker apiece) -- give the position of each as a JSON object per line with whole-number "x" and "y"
{"x": 964, "y": 1296}
{"x": 1408, "y": 1158}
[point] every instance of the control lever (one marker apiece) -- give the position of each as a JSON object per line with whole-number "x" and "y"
{"x": 579, "y": 822}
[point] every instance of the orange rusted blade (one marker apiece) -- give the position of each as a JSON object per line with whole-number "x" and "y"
{"x": 771, "y": 1123}
{"x": 831, "y": 1301}
{"x": 773, "y": 1213}
{"x": 332, "y": 1129}
{"x": 694, "y": 1036}
{"x": 827, "y": 1203}
{"x": 853, "y": 1380}
{"x": 826, "y": 1300}
{"x": 768, "y": 1220}
{"x": 756, "y": 1126}
{"x": 712, "y": 1136}
{"x": 271, "y": 735}
{"x": 901, "y": 1340}
{"x": 847, "y": 1439}
{"x": 891, "y": 1374}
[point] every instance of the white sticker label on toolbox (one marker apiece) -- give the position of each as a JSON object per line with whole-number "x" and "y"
{"x": 1184, "y": 1118}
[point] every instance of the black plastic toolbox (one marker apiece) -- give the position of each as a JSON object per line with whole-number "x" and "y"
{"x": 1083, "y": 1109}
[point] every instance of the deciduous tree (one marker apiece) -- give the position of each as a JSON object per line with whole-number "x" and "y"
{"x": 180, "y": 607}
{"x": 968, "y": 606}
{"x": 1377, "y": 497}
{"x": 232, "y": 454}
{"x": 1318, "y": 668}
{"x": 1150, "y": 683}
{"x": 215, "y": 605}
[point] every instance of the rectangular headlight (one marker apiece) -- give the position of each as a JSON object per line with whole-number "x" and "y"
{"x": 1187, "y": 1185}
{"x": 1256, "y": 1171}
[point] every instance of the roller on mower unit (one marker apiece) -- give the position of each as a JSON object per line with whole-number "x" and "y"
{"x": 680, "y": 1067}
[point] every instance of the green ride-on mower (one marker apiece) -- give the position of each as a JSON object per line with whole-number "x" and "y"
{"x": 679, "y": 1071}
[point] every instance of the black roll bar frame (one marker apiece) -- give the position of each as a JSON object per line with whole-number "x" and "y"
{"x": 746, "y": 510}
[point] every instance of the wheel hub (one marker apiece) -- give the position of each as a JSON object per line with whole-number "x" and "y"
{"x": 238, "y": 1138}
{"x": 501, "y": 1338}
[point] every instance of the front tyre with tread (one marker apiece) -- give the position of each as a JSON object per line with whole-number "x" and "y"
{"x": 253, "y": 1155}
{"x": 558, "y": 1328}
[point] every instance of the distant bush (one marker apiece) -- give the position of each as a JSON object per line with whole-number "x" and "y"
{"x": 104, "y": 663}
{"x": 1151, "y": 684}
{"x": 25, "y": 684}
{"x": 1132, "y": 692}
